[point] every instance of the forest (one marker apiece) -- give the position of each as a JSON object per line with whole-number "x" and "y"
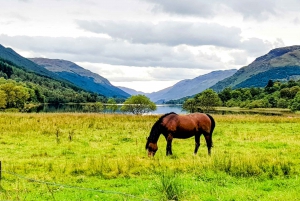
{"x": 276, "y": 94}
{"x": 19, "y": 87}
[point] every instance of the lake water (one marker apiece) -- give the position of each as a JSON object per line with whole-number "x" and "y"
{"x": 161, "y": 109}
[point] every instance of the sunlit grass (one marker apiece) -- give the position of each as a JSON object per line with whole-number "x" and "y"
{"x": 92, "y": 150}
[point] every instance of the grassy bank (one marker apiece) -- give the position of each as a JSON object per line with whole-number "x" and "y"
{"x": 103, "y": 157}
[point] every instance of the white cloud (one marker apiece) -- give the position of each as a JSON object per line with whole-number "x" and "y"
{"x": 113, "y": 52}
{"x": 248, "y": 9}
{"x": 160, "y": 40}
{"x": 208, "y": 9}
{"x": 170, "y": 33}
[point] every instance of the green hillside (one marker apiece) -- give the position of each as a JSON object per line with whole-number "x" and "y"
{"x": 9, "y": 54}
{"x": 19, "y": 87}
{"x": 279, "y": 64}
{"x": 80, "y": 77}
{"x": 279, "y": 73}
{"x": 65, "y": 71}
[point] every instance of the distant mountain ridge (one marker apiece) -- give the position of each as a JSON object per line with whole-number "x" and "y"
{"x": 279, "y": 64}
{"x": 132, "y": 91}
{"x": 81, "y": 77}
{"x": 10, "y": 55}
{"x": 187, "y": 87}
{"x": 65, "y": 71}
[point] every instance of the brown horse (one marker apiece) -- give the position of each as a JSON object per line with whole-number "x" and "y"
{"x": 172, "y": 125}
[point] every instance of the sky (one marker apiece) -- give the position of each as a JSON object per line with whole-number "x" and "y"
{"x": 148, "y": 45}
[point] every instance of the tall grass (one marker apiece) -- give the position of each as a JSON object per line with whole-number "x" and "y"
{"x": 170, "y": 186}
{"x": 92, "y": 150}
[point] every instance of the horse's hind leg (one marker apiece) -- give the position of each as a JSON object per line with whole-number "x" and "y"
{"x": 208, "y": 142}
{"x": 197, "y": 143}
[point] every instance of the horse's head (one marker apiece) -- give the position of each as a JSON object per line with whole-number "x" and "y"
{"x": 151, "y": 147}
{"x": 155, "y": 132}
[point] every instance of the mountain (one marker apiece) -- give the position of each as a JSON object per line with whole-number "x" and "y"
{"x": 190, "y": 87}
{"x": 42, "y": 89}
{"x": 81, "y": 77}
{"x": 64, "y": 71}
{"x": 9, "y": 54}
{"x": 131, "y": 91}
{"x": 279, "y": 64}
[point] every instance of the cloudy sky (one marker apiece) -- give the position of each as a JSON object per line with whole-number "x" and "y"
{"x": 148, "y": 45}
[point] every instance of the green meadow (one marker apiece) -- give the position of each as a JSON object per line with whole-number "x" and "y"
{"x": 76, "y": 156}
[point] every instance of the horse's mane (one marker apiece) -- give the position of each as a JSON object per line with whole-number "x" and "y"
{"x": 155, "y": 130}
{"x": 163, "y": 116}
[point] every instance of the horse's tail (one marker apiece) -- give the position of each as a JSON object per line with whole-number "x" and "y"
{"x": 212, "y": 126}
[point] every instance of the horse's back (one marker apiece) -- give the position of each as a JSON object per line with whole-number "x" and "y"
{"x": 171, "y": 122}
{"x": 187, "y": 124}
{"x": 203, "y": 121}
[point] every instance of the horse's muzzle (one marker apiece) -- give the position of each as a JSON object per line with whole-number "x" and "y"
{"x": 151, "y": 153}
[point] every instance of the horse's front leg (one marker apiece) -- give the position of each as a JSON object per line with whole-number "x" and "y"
{"x": 169, "y": 144}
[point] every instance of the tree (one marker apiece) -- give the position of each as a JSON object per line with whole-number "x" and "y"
{"x": 225, "y": 95}
{"x": 293, "y": 91}
{"x": 112, "y": 105}
{"x": 261, "y": 103}
{"x": 292, "y": 83}
{"x": 246, "y": 94}
{"x": 282, "y": 103}
{"x": 255, "y": 91}
{"x": 190, "y": 105}
{"x": 272, "y": 101}
{"x": 270, "y": 84}
{"x": 236, "y": 94}
{"x": 270, "y": 87}
{"x": 296, "y": 103}
{"x": 138, "y": 104}
{"x": 2, "y": 99}
{"x": 285, "y": 93}
{"x": 16, "y": 95}
{"x": 208, "y": 99}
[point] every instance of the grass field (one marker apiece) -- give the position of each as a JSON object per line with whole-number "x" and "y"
{"x": 76, "y": 156}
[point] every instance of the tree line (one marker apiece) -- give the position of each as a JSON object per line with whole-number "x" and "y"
{"x": 19, "y": 87}
{"x": 275, "y": 94}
